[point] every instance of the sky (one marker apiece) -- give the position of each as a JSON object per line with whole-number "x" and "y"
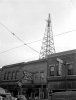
{"x": 27, "y": 20}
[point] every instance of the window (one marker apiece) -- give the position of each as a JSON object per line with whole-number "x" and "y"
{"x": 70, "y": 69}
{"x": 41, "y": 76}
{"x": 5, "y": 76}
{"x": 51, "y": 70}
{"x": 13, "y": 75}
{"x": 9, "y": 76}
{"x": 37, "y": 77}
{"x": 17, "y": 73}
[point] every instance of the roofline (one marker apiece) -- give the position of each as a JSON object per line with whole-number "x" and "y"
{"x": 41, "y": 60}
{"x": 35, "y": 61}
{"x": 62, "y": 53}
{"x": 23, "y": 63}
{"x": 12, "y": 65}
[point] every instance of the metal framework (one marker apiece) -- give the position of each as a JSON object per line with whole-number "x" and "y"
{"x": 48, "y": 42}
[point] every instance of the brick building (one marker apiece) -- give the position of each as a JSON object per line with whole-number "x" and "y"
{"x": 56, "y": 73}
{"x": 39, "y": 70}
{"x": 62, "y": 75}
{"x": 10, "y": 75}
{"x": 26, "y": 78}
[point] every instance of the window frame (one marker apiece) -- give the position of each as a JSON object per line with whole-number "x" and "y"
{"x": 13, "y": 76}
{"x": 5, "y": 75}
{"x": 36, "y": 76}
{"x": 17, "y": 74}
{"x": 53, "y": 65}
{"x": 69, "y": 71}
{"x": 9, "y": 76}
{"x": 41, "y": 78}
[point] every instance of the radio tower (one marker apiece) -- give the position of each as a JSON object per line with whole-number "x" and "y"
{"x": 48, "y": 42}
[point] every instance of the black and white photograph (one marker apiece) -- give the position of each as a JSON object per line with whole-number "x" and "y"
{"x": 37, "y": 49}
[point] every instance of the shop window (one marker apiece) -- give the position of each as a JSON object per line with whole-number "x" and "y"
{"x": 51, "y": 70}
{"x": 70, "y": 69}
{"x": 13, "y": 75}
{"x": 5, "y": 76}
{"x": 9, "y": 76}
{"x": 17, "y": 73}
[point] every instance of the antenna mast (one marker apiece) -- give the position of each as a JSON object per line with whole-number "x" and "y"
{"x": 48, "y": 42}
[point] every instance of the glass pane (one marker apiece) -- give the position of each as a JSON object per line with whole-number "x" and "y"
{"x": 52, "y": 68}
{"x": 70, "y": 66}
{"x": 42, "y": 74}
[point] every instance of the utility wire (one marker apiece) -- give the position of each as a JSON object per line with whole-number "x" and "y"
{"x": 64, "y": 33}
{"x": 35, "y": 41}
{"x": 11, "y": 49}
{"x": 19, "y": 46}
{"x": 29, "y": 42}
{"x": 18, "y": 38}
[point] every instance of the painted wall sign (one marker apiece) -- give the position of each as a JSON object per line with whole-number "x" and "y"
{"x": 27, "y": 76}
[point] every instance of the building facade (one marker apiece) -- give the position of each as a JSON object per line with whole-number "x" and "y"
{"x": 38, "y": 69}
{"x": 25, "y": 78}
{"x": 35, "y": 78}
{"x": 10, "y": 76}
{"x": 62, "y": 71}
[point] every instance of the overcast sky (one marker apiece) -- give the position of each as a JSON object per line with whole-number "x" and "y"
{"x": 27, "y": 20}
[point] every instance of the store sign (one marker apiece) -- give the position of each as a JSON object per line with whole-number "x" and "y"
{"x": 27, "y": 76}
{"x": 58, "y": 59}
{"x": 60, "y": 66}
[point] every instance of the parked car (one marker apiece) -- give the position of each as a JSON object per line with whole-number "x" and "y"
{"x": 66, "y": 95}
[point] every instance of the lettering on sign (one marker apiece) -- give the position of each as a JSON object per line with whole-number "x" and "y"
{"x": 60, "y": 65}
{"x": 27, "y": 76}
{"x": 60, "y": 68}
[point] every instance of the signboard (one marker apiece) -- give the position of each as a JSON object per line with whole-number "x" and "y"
{"x": 60, "y": 66}
{"x": 27, "y": 76}
{"x": 58, "y": 59}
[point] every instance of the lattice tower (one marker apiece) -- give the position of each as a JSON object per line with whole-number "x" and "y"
{"x": 48, "y": 42}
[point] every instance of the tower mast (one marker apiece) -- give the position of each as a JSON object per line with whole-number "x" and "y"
{"x": 48, "y": 42}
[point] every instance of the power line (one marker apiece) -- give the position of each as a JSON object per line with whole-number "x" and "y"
{"x": 18, "y": 38}
{"x": 36, "y": 41}
{"x": 64, "y": 33}
{"x": 19, "y": 46}
{"x": 11, "y": 49}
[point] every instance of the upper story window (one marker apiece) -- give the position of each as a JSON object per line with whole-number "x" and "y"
{"x": 42, "y": 76}
{"x": 36, "y": 77}
{"x": 70, "y": 68}
{"x": 17, "y": 73}
{"x": 5, "y": 76}
{"x": 13, "y": 75}
{"x": 51, "y": 70}
{"x": 9, "y": 76}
